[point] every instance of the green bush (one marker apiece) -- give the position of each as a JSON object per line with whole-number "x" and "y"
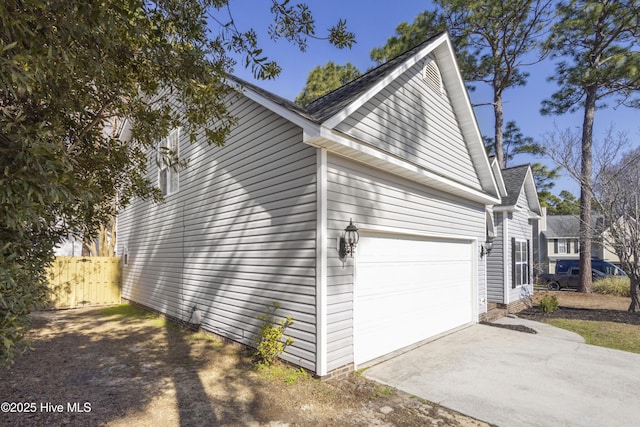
{"x": 548, "y": 304}
{"x": 613, "y": 285}
{"x": 270, "y": 343}
{"x": 23, "y": 288}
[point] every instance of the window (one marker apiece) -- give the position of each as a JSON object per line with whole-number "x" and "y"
{"x": 520, "y": 262}
{"x": 168, "y": 173}
{"x": 562, "y": 246}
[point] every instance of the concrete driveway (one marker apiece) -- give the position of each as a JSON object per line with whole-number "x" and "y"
{"x": 511, "y": 378}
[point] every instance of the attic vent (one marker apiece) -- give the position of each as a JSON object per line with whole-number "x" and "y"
{"x": 431, "y": 76}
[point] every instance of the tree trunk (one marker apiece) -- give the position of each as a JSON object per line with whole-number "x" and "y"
{"x": 499, "y": 128}
{"x": 89, "y": 248}
{"x": 585, "y": 284}
{"x": 108, "y": 238}
{"x": 634, "y": 307}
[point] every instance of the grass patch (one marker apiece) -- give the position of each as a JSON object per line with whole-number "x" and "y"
{"x": 420, "y": 399}
{"x": 382, "y": 391}
{"x": 281, "y": 372}
{"x": 196, "y": 336}
{"x": 134, "y": 312}
{"x": 211, "y": 341}
{"x": 619, "y": 336}
{"x": 360, "y": 371}
{"x": 618, "y": 286}
{"x": 127, "y": 310}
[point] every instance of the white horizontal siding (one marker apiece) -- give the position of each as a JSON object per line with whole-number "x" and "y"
{"x": 410, "y": 120}
{"x": 496, "y": 263}
{"x": 238, "y": 235}
{"x": 374, "y": 198}
{"x": 520, "y": 228}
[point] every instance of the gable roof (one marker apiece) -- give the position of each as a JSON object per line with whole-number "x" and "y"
{"x": 319, "y": 119}
{"x": 333, "y": 102}
{"x": 513, "y": 181}
{"x": 568, "y": 226}
{"x": 516, "y": 179}
{"x": 562, "y": 226}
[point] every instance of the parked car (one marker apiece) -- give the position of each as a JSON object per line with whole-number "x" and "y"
{"x": 568, "y": 280}
{"x": 564, "y": 265}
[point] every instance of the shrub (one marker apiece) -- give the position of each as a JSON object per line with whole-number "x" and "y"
{"x": 270, "y": 343}
{"x": 548, "y": 304}
{"x": 23, "y": 287}
{"x": 613, "y": 285}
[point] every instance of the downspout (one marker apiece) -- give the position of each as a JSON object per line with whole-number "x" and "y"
{"x": 506, "y": 256}
{"x": 321, "y": 262}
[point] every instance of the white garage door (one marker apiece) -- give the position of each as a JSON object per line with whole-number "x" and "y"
{"x": 407, "y": 290}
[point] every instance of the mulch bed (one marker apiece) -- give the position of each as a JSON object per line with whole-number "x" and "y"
{"x": 601, "y": 315}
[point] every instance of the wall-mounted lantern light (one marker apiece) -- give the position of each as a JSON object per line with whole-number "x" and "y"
{"x": 349, "y": 240}
{"x": 486, "y": 248}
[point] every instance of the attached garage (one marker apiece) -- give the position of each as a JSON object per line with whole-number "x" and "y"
{"x": 409, "y": 289}
{"x": 397, "y": 151}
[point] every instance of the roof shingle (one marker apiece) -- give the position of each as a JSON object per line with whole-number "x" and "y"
{"x": 513, "y": 181}
{"x": 568, "y": 226}
{"x": 330, "y": 104}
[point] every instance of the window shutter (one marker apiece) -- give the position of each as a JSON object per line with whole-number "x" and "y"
{"x": 568, "y": 246}
{"x": 513, "y": 262}
{"x": 555, "y": 246}
{"x": 529, "y": 278}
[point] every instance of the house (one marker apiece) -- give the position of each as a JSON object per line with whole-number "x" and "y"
{"x": 68, "y": 247}
{"x": 560, "y": 236}
{"x": 397, "y": 153}
{"x": 510, "y": 261}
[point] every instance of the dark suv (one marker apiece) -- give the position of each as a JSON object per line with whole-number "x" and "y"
{"x": 564, "y": 265}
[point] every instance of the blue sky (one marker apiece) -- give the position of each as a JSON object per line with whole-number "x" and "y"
{"x": 373, "y": 22}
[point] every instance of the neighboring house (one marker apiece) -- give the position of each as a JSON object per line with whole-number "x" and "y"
{"x": 560, "y": 240}
{"x": 68, "y": 247}
{"x": 510, "y": 262}
{"x": 397, "y": 151}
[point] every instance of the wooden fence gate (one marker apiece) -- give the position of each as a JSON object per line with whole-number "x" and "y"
{"x": 84, "y": 281}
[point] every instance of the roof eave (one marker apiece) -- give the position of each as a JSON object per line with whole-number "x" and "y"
{"x": 307, "y": 124}
{"x": 495, "y": 167}
{"x": 532, "y": 193}
{"x": 510, "y": 208}
{"x": 347, "y": 147}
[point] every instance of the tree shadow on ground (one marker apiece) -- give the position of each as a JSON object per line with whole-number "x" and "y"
{"x": 124, "y": 370}
{"x": 134, "y": 368}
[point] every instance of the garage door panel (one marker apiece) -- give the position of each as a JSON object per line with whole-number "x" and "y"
{"x": 408, "y": 290}
{"x": 411, "y": 250}
{"x": 382, "y": 274}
